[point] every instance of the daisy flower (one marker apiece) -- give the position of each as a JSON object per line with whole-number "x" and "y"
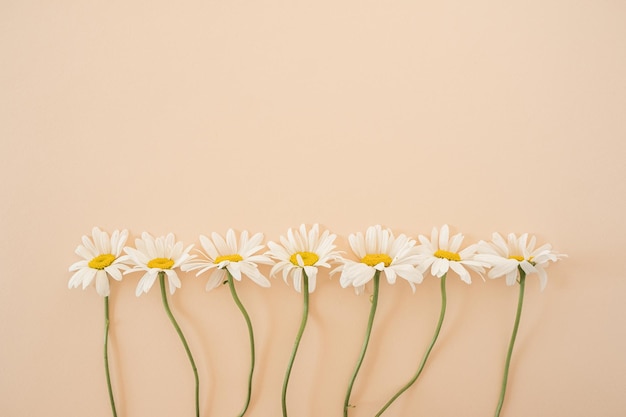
{"x": 303, "y": 252}
{"x": 514, "y": 259}
{"x": 230, "y": 260}
{"x": 101, "y": 259}
{"x": 238, "y": 258}
{"x": 379, "y": 251}
{"x": 508, "y": 257}
{"x": 158, "y": 258}
{"x": 441, "y": 253}
{"x": 162, "y": 254}
{"x": 299, "y": 256}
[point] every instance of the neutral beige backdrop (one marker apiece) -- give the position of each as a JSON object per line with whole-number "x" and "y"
{"x": 197, "y": 116}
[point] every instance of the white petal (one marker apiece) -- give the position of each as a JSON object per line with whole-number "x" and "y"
{"x": 90, "y": 274}
{"x": 543, "y": 278}
{"x": 172, "y": 279}
{"x": 231, "y": 241}
{"x": 297, "y": 279}
{"x": 511, "y": 277}
{"x": 254, "y": 274}
{"x": 79, "y": 265}
{"x": 409, "y": 273}
{"x": 146, "y": 282}
{"x": 311, "y": 272}
{"x": 391, "y": 276}
{"x": 463, "y": 274}
{"x": 84, "y": 253}
{"x": 209, "y": 247}
{"x": 114, "y": 272}
{"x": 362, "y": 276}
{"x": 443, "y": 237}
{"x": 235, "y": 269}
{"x": 102, "y": 283}
{"x": 216, "y": 279}
{"x": 312, "y": 283}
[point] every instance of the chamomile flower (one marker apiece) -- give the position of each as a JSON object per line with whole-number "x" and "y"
{"x": 506, "y": 257}
{"x": 299, "y": 255}
{"x": 238, "y": 258}
{"x": 514, "y": 259}
{"x": 441, "y": 253}
{"x": 229, "y": 258}
{"x": 379, "y": 250}
{"x": 303, "y": 251}
{"x": 101, "y": 259}
{"x": 154, "y": 255}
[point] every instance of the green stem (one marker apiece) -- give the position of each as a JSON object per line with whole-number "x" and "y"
{"x": 522, "y": 282}
{"x": 368, "y": 332}
{"x": 430, "y": 347}
{"x": 231, "y": 284}
{"x": 305, "y": 315}
{"x": 106, "y": 354}
{"x": 182, "y": 338}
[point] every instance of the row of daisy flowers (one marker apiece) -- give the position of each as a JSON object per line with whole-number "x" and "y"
{"x": 298, "y": 256}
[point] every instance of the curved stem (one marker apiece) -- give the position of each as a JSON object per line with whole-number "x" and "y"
{"x": 231, "y": 284}
{"x": 106, "y": 354}
{"x": 368, "y": 332}
{"x": 305, "y": 315}
{"x": 522, "y": 282}
{"x": 182, "y": 338}
{"x": 430, "y": 347}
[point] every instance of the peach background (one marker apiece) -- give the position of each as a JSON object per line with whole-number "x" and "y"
{"x": 194, "y": 117}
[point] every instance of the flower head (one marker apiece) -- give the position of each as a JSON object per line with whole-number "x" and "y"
{"x": 379, "y": 250}
{"x": 507, "y": 257}
{"x": 229, "y": 255}
{"x": 441, "y": 253}
{"x": 162, "y": 254}
{"x": 303, "y": 251}
{"x": 101, "y": 258}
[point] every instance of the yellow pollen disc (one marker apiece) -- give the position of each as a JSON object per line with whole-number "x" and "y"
{"x": 232, "y": 258}
{"x": 101, "y": 261}
{"x": 444, "y": 254}
{"x": 373, "y": 259}
{"x": 161, "y": 263}
{"x": 517, "y": 258}
{"x": 308, "y": 258}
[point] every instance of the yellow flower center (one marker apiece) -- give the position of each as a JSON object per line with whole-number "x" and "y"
{"x": 373, "y": 259}
{"x": 232, "y": 258}
{"x": 308, "y": 258}
{"x": 444, "y": 254}
{"x": 161, "y": 263}
{"x": 101, "y": 261}
{"x": 517, "y": 258}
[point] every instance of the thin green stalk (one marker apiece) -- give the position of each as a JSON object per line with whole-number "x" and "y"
{"x": 430, "y": 347}
{"x": 368, "y": 332}
{"x": 231, "y": 284}
{"x": 106, "y": 354}
{"x": 305, "y": 315}
{"x": 522, "y": 283}
{"x": 182, "y": 338}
